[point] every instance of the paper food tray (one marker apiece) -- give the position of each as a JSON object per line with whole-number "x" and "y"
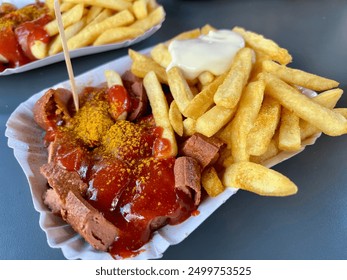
{"x": 25, "y": 138}
{"x": 74, "y": 53}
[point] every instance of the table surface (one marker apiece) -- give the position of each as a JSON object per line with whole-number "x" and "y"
{"x": 310, "y": 225}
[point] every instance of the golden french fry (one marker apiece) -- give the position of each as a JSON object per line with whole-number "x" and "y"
{"x": 117, "y": 34}
{"x": 289, "y": 131}
{"x": 160, "y": 109}
{"x": 104, "y": 14}
{"x": 179, "y": 88}
{"x": 155, "y": 17}
{"x": 3, "y": 59}
{"x": 214, "y": 119}
{"x": 244, "y": 119}
{"x": 143, "y": 64}
{"x": 207, "y": 28}
{"x": 66, "y": 6}
{"x": 211, "y": 182}
{"x": 161, "y": 55}
{"x": 175, "y": 118}
{"x": 260, "y": 43}
{"x": 69, "y": 17}
{"x": 117, "y": 5}
{"x": 39, "y": 49}
{"x": 258, "y": 64}
{"x": 50, "y": 4}
{"x": 229, "y": 92}
{"x": 264, "y": 127}
{"x": 206, "y": 78}
{"x": 203, "y": 100}
{"x": 189, "y": 127}
{"x": 272, "y": 150}
{"x": 328, "y": 121}
{"x": 225, "y": 133}
{"x": 341, "y": 111}
{"x": 152, "y": 5}
{"x": 298, "y": 77}
{"x": 224, "y": 155}
{"x": 307, "y": 130}
{"x": 56, "y": 46}
{"x": 191, "y": 34}
{"x": 93, "y": 12}
{"x": 259, "y": 179}
{"x": 88, "y": 35}
{"x": 113, "y": 78}
{"x": 140, "y": 9}
{"x": 327, "y": 99}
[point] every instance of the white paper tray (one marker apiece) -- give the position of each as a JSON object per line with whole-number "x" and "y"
{"x": 24, "y": 137}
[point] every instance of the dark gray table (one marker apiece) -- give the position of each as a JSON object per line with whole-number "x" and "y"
{"x": 309, "y": 225}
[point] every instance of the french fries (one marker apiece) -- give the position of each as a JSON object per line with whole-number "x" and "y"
{"x": 179, "y": 88}
{"x": 244, "y": 120}
{"x": 161, "y": 55}
{"x": 153, "y": 18}
{"x": 39, "y": 49}
{"x": 91, "y": 32}
{"x": 189, "y": 127}
{"x": 256, "y": 178}
{"x": 117, "y": 5}
{"x": 264, "y": 126}
{"x": 204, "y": 100}
{"x": 140, "y": 9}
{"x": 56, "y": 45}
{"x": 160, "y": 109}
{"x": 175, "y": 118}
{"x": 298, "y": 77}
{"x": 142, "y": 65}
{"x": 117, "y": 34}
{"x": 259, "y": 108}
{"x": 328, "y": 121}
{"x": 263, "y": 45}
{"x": 229, "y": 93}
{"x": 289, "y": 138}
{"x": 68, "y": 18}
{"x": 113, "y": 78}
{"x": 99, "y": 22}
{"x": 213, "y": 120}
{"x": 211, "y": 182}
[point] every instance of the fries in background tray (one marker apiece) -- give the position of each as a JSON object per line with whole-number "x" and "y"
{"x": 266, "y": 112}
{"x": 100, "y": 22}
{"x": 87, "y": 23}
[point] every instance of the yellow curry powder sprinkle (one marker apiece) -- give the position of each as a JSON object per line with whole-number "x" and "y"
{"x": 120, "y": 139}
{"x": 91, "y": 122}
{"x": 123, "y": 138}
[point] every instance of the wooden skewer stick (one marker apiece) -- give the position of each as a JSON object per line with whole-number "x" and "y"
{"x": 66, "y": 53}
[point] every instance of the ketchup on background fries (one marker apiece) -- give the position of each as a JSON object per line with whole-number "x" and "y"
{"x": 19, "y": 29}
{"x": 31, "y": 33}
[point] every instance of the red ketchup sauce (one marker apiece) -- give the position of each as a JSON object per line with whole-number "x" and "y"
{"x": 18, "y": 31}
{"x": 130, "y": 180}
{"x": 10, "y": 49}
{"x": 119, "y": 99}
{"x": 29, "y": 32}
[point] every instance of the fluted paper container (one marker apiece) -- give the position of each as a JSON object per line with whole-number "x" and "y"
{"x": 25, "y": 138}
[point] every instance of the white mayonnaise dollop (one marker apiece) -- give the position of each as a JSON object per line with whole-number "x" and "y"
{"x": 213, "y": 52}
